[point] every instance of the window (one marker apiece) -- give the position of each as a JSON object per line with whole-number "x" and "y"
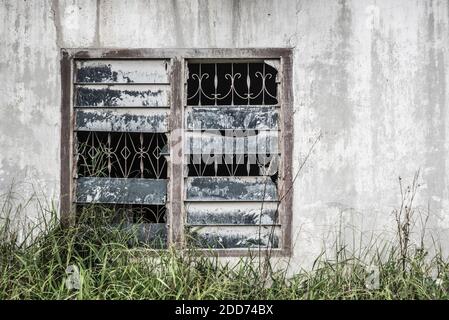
{"x": 194, "y": 143}
{"x": 121, "y": 108}
{"x": 232, "y": 123}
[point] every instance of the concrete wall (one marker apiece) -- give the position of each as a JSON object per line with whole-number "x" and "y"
{"x": 370, "y": 75}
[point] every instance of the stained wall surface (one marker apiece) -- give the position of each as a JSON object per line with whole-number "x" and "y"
{"x": 371, "y": 80}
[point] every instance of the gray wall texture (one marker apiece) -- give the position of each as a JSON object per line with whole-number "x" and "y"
{"x": 371, "y": 76}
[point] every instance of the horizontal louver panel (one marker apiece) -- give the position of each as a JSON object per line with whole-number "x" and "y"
{"x": 235, "y": 237}
{"x": 232, "y": 118}
{"x": 222, "y": 213}
{"x": 122, "y": 96}
{"x": 122, "y": 71}
{"x": 230, "y": 189}
{"x": 121, "y": 190}
{"x": 121, "y": 120}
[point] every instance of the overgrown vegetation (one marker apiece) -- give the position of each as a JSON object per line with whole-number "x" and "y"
{"x": 93, "y": 260}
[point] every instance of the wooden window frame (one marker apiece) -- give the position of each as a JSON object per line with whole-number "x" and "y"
{"x": 178, "y": 58}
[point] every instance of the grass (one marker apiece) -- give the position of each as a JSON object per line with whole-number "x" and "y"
{"x": 109, "y": 269}
{"x": 103, "y": 266}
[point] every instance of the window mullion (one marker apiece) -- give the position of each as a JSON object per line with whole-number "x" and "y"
{"x": 175, "y": 214}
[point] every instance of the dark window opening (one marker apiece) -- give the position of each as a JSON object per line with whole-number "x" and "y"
{"x": 125, "y": 155}
{"x": 231, "y": 84}
{"x": 121, "y": 155}
{"x": 130, "y": 213}
{"x": 137, "y": 224}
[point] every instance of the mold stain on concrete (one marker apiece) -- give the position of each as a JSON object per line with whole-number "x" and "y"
{"x": 434, "y": 100}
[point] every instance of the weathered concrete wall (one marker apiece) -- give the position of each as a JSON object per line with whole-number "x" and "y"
{"x": 370, "y": 75}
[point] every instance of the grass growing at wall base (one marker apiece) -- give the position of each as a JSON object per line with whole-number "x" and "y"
{"x": 109, "y": 269}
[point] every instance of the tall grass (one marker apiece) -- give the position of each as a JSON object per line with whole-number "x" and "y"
{"x": 107, "y": 267}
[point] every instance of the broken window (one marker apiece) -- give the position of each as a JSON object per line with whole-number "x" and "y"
{"x": 232, "y": 126}
{"x": 188, "y": 147}
{"x": 120, "y": 132}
